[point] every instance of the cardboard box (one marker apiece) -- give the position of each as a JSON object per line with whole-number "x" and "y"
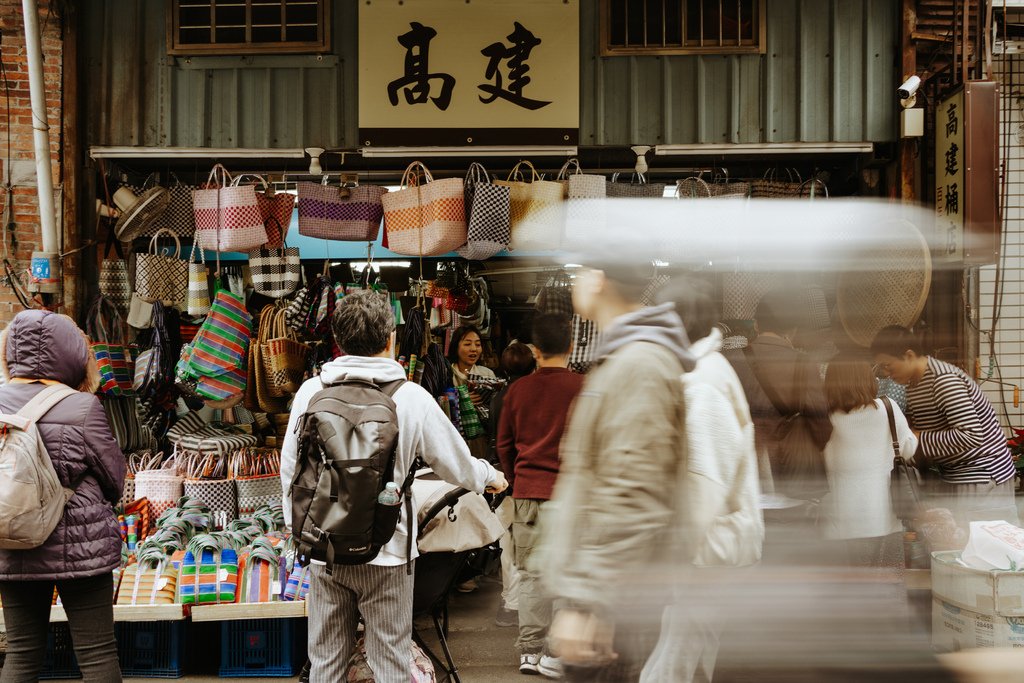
{"x": 973, "y": 608}
{"x": 986, "y": 592}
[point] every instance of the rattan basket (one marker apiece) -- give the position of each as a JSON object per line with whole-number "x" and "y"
{"x": 891, "y": 290}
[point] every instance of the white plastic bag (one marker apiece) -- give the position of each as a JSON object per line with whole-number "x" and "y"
{"x": 995, "y": 545}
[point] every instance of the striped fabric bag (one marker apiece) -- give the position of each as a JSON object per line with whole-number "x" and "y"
{"x": 216, "y": 358}
{"x": 150, "y": 581}
{"x": 297, "y": 585}
{"x": 262, "y": 577}
{"x": 209, "y": 572}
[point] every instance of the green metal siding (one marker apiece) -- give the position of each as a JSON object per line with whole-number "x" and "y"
{"x": 827, "y": 75}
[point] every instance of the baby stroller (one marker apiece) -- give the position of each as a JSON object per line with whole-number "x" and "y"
{"x": 467, "y": 532}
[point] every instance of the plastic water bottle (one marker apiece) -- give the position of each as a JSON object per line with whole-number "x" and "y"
{"x": 390, "y": 495}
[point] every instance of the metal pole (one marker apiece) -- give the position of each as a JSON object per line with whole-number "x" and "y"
{"x": 40, "y": 127}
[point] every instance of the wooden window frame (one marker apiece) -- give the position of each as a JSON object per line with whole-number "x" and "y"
{"x": 319, "y": 46}
{"x": 606, "y": 50}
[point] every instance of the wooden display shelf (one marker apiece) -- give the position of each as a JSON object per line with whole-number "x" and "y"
{"x": 125, "y": 613}
{"x": 263, "y": 610}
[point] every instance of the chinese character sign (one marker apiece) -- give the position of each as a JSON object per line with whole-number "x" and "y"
{"x": 949, "y": 179}
{"x": 448, "y": 72}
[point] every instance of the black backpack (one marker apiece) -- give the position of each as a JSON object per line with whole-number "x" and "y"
{"x": 347, "y": 444}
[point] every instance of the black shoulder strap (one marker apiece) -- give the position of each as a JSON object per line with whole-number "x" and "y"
{"x": 892, "y": 427}
{"x": 766, "y": 387}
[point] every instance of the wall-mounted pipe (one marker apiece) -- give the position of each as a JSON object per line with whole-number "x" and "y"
{"x": 40, "y": 126}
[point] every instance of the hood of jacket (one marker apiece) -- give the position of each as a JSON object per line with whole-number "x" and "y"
{"x": 44, "y": 345}
{"x": 707, "y": 345}
{"x": 366, "y": 368}
{"x": 655, "y": 324}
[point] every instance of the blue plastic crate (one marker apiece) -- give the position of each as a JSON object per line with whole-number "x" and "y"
{"x": 151, "y": 649}
{"x": 59, "y": 660}
{"x": 262, "y": 647}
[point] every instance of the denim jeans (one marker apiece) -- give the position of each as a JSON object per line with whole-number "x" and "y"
{"x": 89, "y": 604}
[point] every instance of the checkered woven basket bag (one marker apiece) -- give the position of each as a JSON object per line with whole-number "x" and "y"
{"x": 228, "y": 215}
{"x": 426, "y": 217}
{"x": 275, "y": 272}
{"x": 585, "y": 208}
{"x": 348, "y": 214}
{"x": 488, "y": 216}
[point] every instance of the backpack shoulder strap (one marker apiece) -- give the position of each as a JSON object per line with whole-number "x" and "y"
{"x": 390, "y": 388}
{"x": 42, "y": 402}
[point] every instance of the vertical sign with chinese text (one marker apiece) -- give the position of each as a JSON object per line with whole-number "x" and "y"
{"x": 468, "y": 72}
{"x": 949, "y": 179}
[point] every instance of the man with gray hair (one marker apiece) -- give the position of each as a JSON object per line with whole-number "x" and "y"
{"x": 381, "y": 591}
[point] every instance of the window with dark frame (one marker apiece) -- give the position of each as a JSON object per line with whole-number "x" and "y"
{"x": 682, "y": 27}
{"x": 232, "y": 27}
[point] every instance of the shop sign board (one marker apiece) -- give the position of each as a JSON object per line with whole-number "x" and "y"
{"x": 469, "y": 72}
{"x": 949, "y": 179}
{"x": 967, "y": 182}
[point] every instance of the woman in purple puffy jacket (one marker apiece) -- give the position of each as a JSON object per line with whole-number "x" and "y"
{"x": 37, "y": 349}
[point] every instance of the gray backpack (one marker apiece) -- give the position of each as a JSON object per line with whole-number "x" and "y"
{"x": 32, "y": 499}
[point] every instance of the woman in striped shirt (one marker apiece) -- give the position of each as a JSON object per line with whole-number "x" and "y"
{"x": 957, "y": 428}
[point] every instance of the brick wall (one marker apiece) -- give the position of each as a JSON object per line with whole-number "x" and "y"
{"x": 15, "y": 60}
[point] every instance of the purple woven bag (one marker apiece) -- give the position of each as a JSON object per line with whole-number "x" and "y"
{"x": 348, "y": 214}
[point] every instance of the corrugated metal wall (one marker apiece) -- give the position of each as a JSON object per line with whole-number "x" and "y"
{"x": 827, "y": 75}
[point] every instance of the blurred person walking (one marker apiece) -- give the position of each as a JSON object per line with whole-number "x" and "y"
{"x": 39, "y": 350}
{"x": 517, "y": 361}
{"x": 616, "y": 526}
{"x": 858, "y": 512}
{"x": 958, "y": 432}
{"x": 719, "y": 485}
{"x": 784, "y": 391}
{"x": 529, "y": 433}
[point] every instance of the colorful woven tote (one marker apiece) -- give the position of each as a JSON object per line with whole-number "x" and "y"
{"x": 426, "y": 217}
{"x": 113, "y": 358}
{"x": 198, "y": 285}
{"x": 537, "y": 210}
{"x": 351, "y": 214}
{"x": 216, "y": 358}
{"x": 263, "y": 576}
{"x": 227, "y": 214}
{"x": 150, "y": 581}
{"x": 209, "y": 572}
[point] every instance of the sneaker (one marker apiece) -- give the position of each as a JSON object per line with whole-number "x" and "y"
{"x": 506, "y": 617}
{"x": 550, "y": 667}
{"x": 528, "y": 664}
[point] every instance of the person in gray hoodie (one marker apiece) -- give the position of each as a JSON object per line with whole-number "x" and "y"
{"x": 617, "y": 523}
{"x": 382, "y": 590}
{"x": 40, "y": 348}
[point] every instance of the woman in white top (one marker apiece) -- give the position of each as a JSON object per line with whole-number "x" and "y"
{"x": 858, "y": 460}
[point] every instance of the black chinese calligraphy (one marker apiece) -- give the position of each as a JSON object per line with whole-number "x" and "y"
{"x": 952, "y": 120}
{"x": 952, "y": 167}
{"x": 516, "y": 55}
{"x": 417, "y": 82}
{"x": 952, "y": 199}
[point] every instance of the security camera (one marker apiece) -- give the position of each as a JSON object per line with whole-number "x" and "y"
{"x": 909, "y": 87}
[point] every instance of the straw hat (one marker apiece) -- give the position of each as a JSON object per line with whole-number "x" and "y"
{"x": 138, "y": 212}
